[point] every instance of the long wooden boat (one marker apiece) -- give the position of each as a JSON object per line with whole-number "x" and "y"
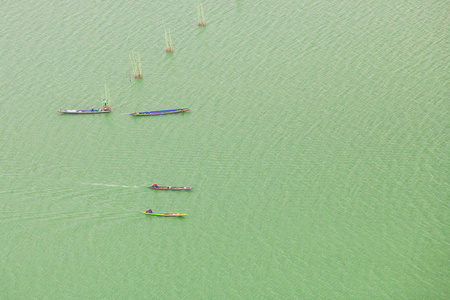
{"x": 84, "y": 111}
{"x": 105, "y": 109}
{"x": 164, "y": 214}
{"x": 159, "y": 112}
{"x": 170, "y": 188}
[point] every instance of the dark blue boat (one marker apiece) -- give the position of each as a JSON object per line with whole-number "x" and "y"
{"x": 159, "y": 112}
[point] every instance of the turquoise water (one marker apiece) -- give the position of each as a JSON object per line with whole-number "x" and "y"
{"x": 317, "y": 146}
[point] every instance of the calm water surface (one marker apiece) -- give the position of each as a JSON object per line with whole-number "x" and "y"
{"x": 317, "y": 146}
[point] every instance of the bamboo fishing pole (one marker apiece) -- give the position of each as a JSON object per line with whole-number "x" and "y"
{"x": 140, "y": 66}
{"x": 167, "y": 41}
{"x": 170, "y": 40}
{"x": 203, "y": 16}
{"x": 132, "y": 65}
{"x": 135, "y": 66}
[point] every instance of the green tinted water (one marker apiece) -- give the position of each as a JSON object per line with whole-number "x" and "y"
{"x": 317, "y": 146}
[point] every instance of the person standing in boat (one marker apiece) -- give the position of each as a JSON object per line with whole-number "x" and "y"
{"x": 104, "y": 104}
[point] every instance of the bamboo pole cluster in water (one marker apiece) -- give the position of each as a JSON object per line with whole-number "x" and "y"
{"x": 169, "y": 45}
{"x": 136, "y": 60}
{"x": 201, "y": 16}
{"x": 136, "y": 65}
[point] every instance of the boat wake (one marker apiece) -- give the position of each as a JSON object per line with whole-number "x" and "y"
{"x": 111, "y": 185}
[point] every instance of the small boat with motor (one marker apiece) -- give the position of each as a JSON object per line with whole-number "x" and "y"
{"x": 163, "y": 214}
{"x": 159, "y": 112}
{"x": 105, "y": 109}
{"x": 84, "y": 111}
{"x": 170, "y": 188}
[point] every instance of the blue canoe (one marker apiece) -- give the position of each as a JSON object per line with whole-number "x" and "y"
{"x": 159, "y": 112}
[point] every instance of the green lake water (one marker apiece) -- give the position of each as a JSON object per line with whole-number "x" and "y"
{"x": 317, "y": 145}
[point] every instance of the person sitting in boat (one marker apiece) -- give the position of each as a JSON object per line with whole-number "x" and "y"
{"x": 149, "y": 211}
{"x": 155, "y": 185}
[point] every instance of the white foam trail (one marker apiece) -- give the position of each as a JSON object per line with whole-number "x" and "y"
{"x": 111, "y": 185}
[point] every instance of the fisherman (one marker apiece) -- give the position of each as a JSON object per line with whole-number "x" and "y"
{"x": 104, "y": 103}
